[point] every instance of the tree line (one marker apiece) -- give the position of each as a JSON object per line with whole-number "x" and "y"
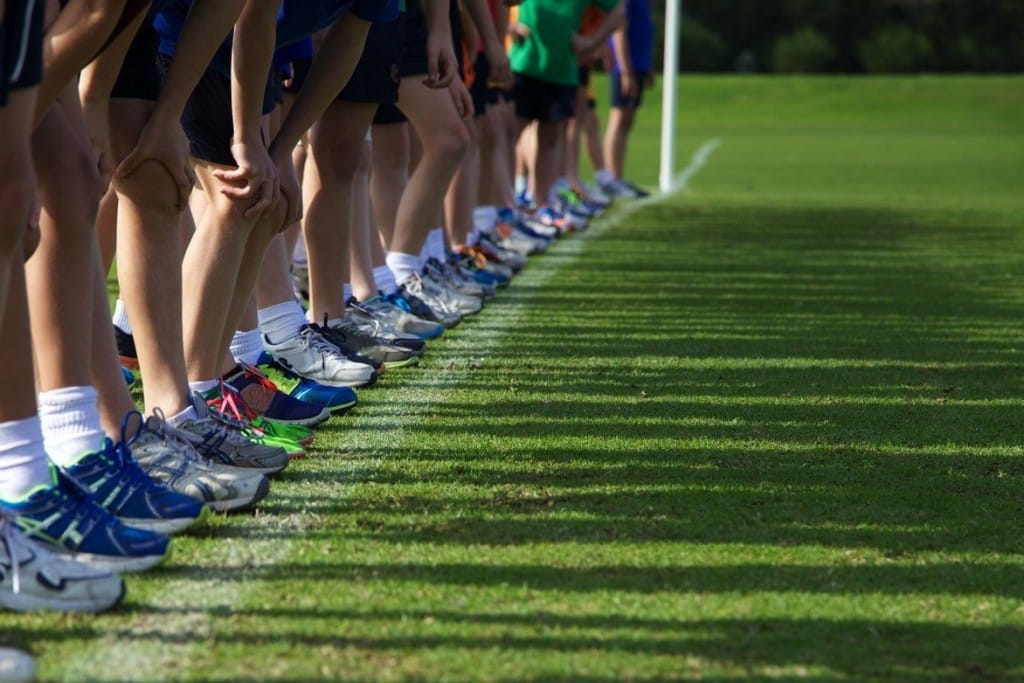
{"x": 866, "y": 36}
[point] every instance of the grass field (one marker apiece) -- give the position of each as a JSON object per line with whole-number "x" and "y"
{"x": 765, "y": 429}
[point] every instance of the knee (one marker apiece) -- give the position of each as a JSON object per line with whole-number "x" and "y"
{"x": 272, "y": 221}
{"x": 450, "y": 144}
{"x": 149, "y": 187}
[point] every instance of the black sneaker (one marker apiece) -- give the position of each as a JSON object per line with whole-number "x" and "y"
{"x": 126, "y": 348}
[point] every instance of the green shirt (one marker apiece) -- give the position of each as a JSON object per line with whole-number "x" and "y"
{"x": 547, "y": 54}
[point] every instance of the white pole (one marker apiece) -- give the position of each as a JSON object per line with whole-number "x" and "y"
{"x": 669, "y": 83}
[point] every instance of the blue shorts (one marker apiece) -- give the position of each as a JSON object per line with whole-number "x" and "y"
{"x": 627, "y": 102}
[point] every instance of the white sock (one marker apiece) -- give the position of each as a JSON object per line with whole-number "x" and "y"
{"x": 347, "y": 292}
{"x": 281, "y": 322}
{"x": 203, "y": 386}
{"x": 521, "y": 183}
{"x": 434, "y": 246}
{"x": 70, "y": 419}
{"x": 385, "y": 280}
{"x": 247, "y": 346}
{"x": 299, "y": 256}
{"x": 404, "y": 266}
{"x": 23, "y": 461}
{"x": 121, "y": 317}
{"x": 604, "y": 177}
{"x": 188, "y": 414}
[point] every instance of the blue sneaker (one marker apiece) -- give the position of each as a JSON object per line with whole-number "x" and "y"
{"x": 268, "y": 400}
{"x": 338, "y": 400}
{"x": 65, "y": 519}
{"x": 129, "y": 376}
{"x": 119, "y": 486}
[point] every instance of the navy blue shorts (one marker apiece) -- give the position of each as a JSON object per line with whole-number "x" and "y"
{"x": 140, "y": 76}
{"x": 538, "y": 100}
{"x": 21, "y": 47}
{"x": 627, "y": 102}
{"x": 378, "y": 74}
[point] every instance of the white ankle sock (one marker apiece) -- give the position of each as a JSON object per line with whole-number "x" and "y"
{"x": 603, "y": 176}
{"x": 299, "y": 256}
{"x": 521, "y": 183}
{"x": 23, "y": 461}
{"x": 385, "y": 280}
{"x": 281, "y": 322}
{"x": 247, "y": 346}
{"x": 188, "y": 414}
{"x": 347, "y": 291}
{"x": 71, "y": 423}
{"x": 404, "y": 266}
{"x": 203, "y": 385}
{"x": 121, "y": 317}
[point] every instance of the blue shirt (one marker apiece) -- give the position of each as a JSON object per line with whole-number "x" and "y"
{"x": 640, "y": 34}
{"x": 296, "y": 20}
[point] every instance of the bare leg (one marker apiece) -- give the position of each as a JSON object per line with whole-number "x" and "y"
{"x": 620, "y": 122}
{"x": 549, "y": 136}
{"x": 390, "y": 164}
{"x": 462, "y": 192}
{"x": 334, "y": 142}
{"x": 364, "y": 237}
{"x": 444, "y": 140}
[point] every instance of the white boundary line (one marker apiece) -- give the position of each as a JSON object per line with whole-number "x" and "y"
{"x": 148, "y": 656}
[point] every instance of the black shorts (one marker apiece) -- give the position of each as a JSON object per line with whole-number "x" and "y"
{"x": 140, "y": 76}
{"x": 538, "y": 100}
{"x": 21, "y": 46}
{"x": 479, "y": 90}
{"x": 207, "y": 118}
{"x": 388, "y": 114}
{"x": 300, "y": 70}
{"x": 414, "y": 39}
{"x": 378, "y": 74}
{"x": 584, "y": 76}
{"x": 627, "y": 102}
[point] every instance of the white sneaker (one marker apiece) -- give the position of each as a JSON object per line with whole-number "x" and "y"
{"x": 436, "y": 285}
{"x": 16, "y": 666}
{"x": 310, "y": 355}
{"x": 32, "y": 578}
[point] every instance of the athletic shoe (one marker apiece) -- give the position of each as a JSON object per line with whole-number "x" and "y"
{"x": 338, "y": 400}
{"x": 166, "y": 454}
{"x": 379, "y": 325}
{"x": 413, "y": 290}
{"x": 33, "y": 579}
{"x": 350, "y": 339}
{"x": 454, "y": 279}
{"x": 483, "y": 275}
{"x": 638, "y": 191}
{"x": 434, "y": 282}
{"x": 65, "y": 519}
{"x": 454, "y": 263}
{"x": 225, "y": 400}
{"x": 126, "y": 349}
{"x": 311, "y": 355}
{"x": 264, "y": 398}
{"x": 596, "y": 194}
{"x": 222, "y": 440}
{"x": 16, "y": 666}
{"x": 545, "y": 222}
{"x": 484, "y": 259}
{"x": 129, "y": 376}
{"x": 497, "y": 254}
{"x": 384, "y": 309}
{"x": 410, "y": 303}
{"x": 568, "y": 201}
{"x": 118, "y": 485}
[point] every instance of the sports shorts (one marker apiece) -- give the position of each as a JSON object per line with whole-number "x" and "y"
{"x": 622, "y": 102}
{"x": 538, "y": 100}
{"x": 21, "y": 46}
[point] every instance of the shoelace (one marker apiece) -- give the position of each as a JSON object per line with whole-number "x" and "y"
{"x": 10, "y": 535}
{"x": 312, "y": 338}
{"x": 178, "y": 439}
{"x": 230, "y": 403}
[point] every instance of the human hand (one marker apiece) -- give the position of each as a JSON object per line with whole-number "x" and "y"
{"x": 501, "y": 72}
{"x": 164, "y": 143}
{"x": 628, "y": 85}
{"x": 519, "y": 33}
{"x": 462, "y": 99}
{"x": 442, "y": 67}
{"x": 255, "y": 178}
{"x": 583, "y": 47}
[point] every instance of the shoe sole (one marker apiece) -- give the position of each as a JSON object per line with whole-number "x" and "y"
{"x": 121, "y": 565}
{"x": 404, "y": 363}
{"x": 243, "y": 503}
{"x": 24, "y": 602}
{"x": 164, "y": 526}
{"x": 323, "y": 416}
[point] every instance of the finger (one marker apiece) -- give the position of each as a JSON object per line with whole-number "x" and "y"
{"x": 231, "y": 174}
{"x": 128, "y": 165}
{"x": 261, "y": 205}
{"x": 244, "y": 192}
